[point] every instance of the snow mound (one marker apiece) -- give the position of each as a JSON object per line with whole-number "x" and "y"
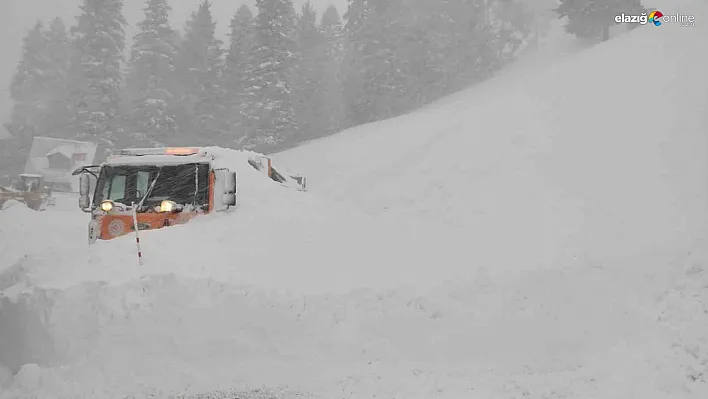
{"x": 602, "y": 153}
{"x": 11, "y": 204}
{"x": 272, "y": 227}
{"x": 683, "y": 311}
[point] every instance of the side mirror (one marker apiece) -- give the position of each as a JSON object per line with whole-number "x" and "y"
{"x": 231, "y": 183}
{"x": 229, "y": 199}
{"x": 230, "y": 189}
{"x": 226, "y": 189}
{"x": 84, "y": 188}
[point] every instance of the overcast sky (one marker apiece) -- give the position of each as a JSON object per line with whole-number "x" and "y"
{"x": 17, "y": 16}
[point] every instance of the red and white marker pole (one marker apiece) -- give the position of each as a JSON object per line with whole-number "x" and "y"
{"x": 137, "y": 234}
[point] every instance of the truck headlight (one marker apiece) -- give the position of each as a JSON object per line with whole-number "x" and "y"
{"x": 168, "y": 206}
{"x": 107, "y": 206}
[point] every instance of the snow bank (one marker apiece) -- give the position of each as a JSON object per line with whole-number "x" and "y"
{"x": 336, "y": 248}
{"x": 683, "y": 312}
{"x": 276, "y": 250}
{"x": 500, "y": 337}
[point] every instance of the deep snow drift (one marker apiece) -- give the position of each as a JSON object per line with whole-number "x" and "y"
{"x": 542, "y": 235}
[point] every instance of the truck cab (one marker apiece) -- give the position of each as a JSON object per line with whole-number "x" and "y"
{"x": 153, "y": 188}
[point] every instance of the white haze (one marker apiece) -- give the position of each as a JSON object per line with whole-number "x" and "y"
{"x": 17, "y": 16}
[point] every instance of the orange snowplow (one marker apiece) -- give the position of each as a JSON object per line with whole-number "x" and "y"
{"x": 30, "y": 190}
{"x": 152, "y": 188}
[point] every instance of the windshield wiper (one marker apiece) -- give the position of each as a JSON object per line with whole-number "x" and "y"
{"x": 149, "y": 191}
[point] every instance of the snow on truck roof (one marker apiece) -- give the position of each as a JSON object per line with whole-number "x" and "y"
{"x": 159, "y": 156}
{"x": 156, "y": 160}
{"x": 184, "y": 155}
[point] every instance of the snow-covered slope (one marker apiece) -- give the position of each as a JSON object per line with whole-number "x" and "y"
{"x": 542, "y": 235}
{"x": 603, "y": 151}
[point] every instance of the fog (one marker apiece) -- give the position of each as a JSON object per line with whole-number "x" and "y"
{"x": 17, "y": 16}
{"x": 402, "y": 204}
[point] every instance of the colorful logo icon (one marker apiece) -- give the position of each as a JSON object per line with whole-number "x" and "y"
{"x": 655, "y": 17}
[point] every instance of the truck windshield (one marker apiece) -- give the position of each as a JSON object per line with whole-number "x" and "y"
{"x": 184, "y": 184}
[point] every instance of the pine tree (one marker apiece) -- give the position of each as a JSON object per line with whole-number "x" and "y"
{"x": 151, "y": 80}
{"x": 469, "y": 55}
{"x": 332, "y": 29}
{"x": 402, "y": 54}
{"x": 510, "y": 29}
{"x": 427, "y": 45}
{"x": 377, "y": 64}
{"x": 580, "y": 21}
{"x": 242, "y": 37}
{"x": 98, "y": 42}
{"x": 39, "y": 86}
{"x": 268, "y": 109}
{"x": 354, "y": 101}
{"x": 199, "y": 68}
{"x": 420, "y": 46}
{"x": 592, "y": 19}
{"x": 27, "y": 88}
{"x": 58, "y": 53}
{"x": 310, "y": 66}
{"x": 356, "y": 15}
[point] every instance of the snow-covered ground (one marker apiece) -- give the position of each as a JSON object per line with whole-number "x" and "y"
{"x": 543, "y": 235}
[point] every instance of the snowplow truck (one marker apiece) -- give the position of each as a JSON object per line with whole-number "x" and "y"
{"x": 153, "y": 188}
{"x": 30, "y": 190}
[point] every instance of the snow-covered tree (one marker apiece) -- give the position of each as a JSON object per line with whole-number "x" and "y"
{"x": 58, "y": 52}
{"x": 241, "y": 41}
{"x": 510, "y": 25}
{"x": 470, "y": 57}
{"x": 401, "y": 54}
{"x": 310, "y": 67}
{"x": 420, "y": 44}
{"x": 39, "y": 86}
{"x": 151, "y": 81}
{"x": 199, "y": 67}
{"x": 27, "y": 88}
{"x": 353, "y": 68}
{"x": 268, "y": 110}
{"x": 592, "y": 19}
{"x": 426, "y": 42}
{"x": 356, "y": 14}
{"x": 332, "y": 29}
{"x": 96, "y": 79}
{"x": 377, "y": 69}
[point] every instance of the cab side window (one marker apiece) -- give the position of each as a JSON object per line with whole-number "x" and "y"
{"x": 142, "y": 183}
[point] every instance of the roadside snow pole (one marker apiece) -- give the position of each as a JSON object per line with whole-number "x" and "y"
{"x": 137, "y": 234}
